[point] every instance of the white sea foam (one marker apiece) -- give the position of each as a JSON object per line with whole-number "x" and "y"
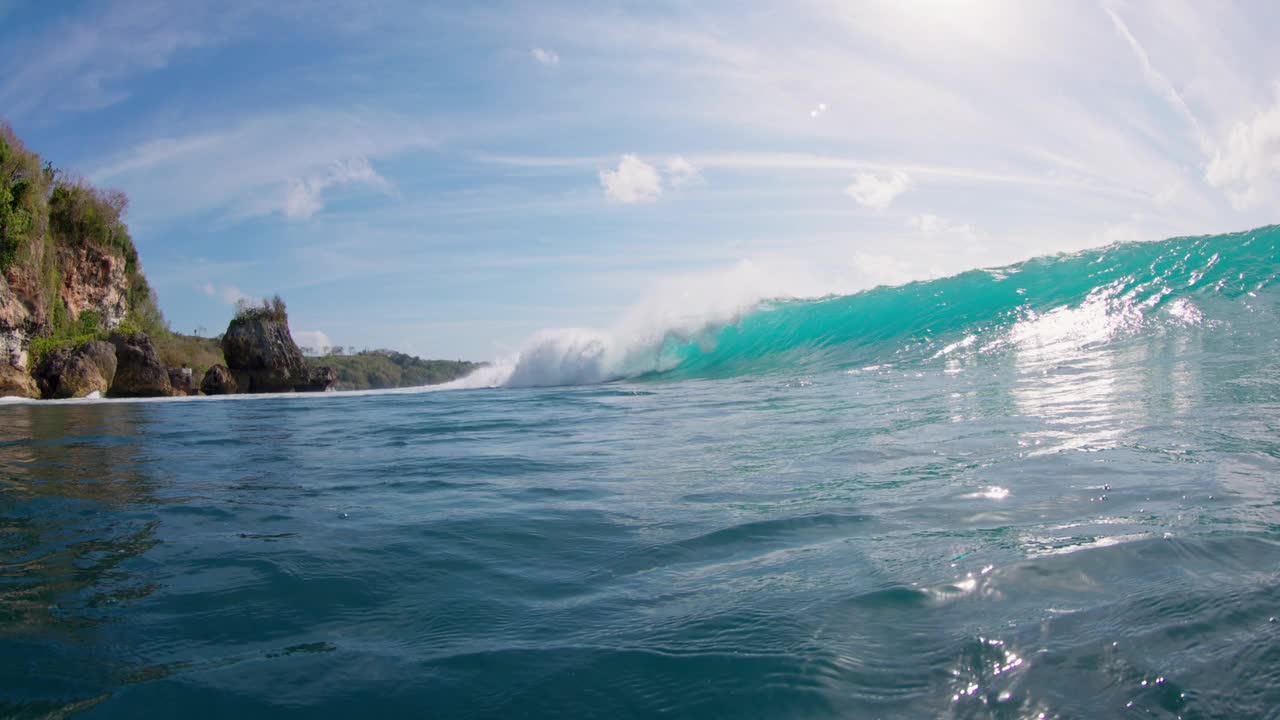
{"x": 688, "y": 308}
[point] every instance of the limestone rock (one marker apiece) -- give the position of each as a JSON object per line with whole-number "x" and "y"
{"x": 180, "y": 381}
{"x": 94, "y": 279}
{"x": 262, "y": 356}
{"x": 13, "y": 348}
{"x": 76, "y": 373}
{"x": 218, "y": 381}
{"x": 139, "y": 372}
{"x": 319, "y": 379}
{"x": 15, "y": 382}
{"x": 49, "y": 372}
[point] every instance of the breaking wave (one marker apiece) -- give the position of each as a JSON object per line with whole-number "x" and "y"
{"x": 759, "y": 326}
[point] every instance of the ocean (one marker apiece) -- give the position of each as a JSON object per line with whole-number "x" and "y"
{"x": 1050, "y": 490}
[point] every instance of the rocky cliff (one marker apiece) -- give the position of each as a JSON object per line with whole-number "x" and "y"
{"x": 262, "y": 356}
{"x": 68, "y": 268}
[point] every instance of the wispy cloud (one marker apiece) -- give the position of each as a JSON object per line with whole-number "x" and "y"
{"x": 681, "y": 172}
{"x": 228, "y": 294}
{"x": 1248, "y": 166}
{"x": 549, "y": 58}
{"x": 281, "y": 163}
{"x": 1159, "y": 83}
{"x": 931, "y": 224}
{"x": 305, "y": 195}
{"x": 80, "y": 62}
{"x": 878, "y": 191}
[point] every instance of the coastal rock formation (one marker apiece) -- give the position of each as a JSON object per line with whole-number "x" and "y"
{"x": 68, "y": 373}
{"x": 180, "y": 381}
{"x": 92, "y": 368}
{"x": 319, "y": 379}
{"x": 263, "y": 357}
{"x": 139, "y": 372}
{"x": 47, "y": 373}
{"x": 68, "y": 267}
{"x": 218, "y": 381}
{"x": 15, "y": 382}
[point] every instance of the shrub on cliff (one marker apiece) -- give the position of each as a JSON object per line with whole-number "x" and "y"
{"x": 81, "y": 213}
{"x": 267, "y": 309}
{"x": 22, "y": 196}
{"x": 67, "y": 334}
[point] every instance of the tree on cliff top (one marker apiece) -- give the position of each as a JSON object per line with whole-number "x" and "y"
{"x": 22, "y": 195}
{"x": 81, "y": 213}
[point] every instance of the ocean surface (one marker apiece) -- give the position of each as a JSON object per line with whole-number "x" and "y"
{"x": 1047, "y": 490}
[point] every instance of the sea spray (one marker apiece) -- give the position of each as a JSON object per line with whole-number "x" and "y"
{"x": 746, "y": 321}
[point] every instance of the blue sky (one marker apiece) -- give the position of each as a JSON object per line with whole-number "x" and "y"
{"x": 449, "y": 178}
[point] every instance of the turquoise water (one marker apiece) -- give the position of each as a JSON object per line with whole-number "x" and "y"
{"x": 1046, "y": 490}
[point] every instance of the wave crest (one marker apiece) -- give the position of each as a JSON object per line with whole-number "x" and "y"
{"x": 753, "y": 318}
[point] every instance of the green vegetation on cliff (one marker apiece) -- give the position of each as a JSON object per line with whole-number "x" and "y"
{"x": 379, "y": 369}
{"x": 268, "y": 309}
{"x": 53, "y": 224}
{"x": 23, "y": 196}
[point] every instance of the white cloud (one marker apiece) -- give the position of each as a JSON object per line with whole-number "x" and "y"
{"x": 313, "y": 340}
{"x": 877, "y": 192}
{"x": 229, "y": 294}
{"x": 681, "y": 172}
{"x": 1248, "y": 166}
{"x": 304, "y": 197}
{"x": 635, "y": 181}
{"x": 549, "y": 58}
{"x": 931, "y": 224}
{"x": 278, "y": 163}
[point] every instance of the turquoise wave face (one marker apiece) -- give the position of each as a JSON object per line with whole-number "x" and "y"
{"x": 1099, "y": 295}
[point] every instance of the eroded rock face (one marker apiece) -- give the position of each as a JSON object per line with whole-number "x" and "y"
{"x": 14, "y": 318}
{"x": 15, "y": 382}
{"x": 180, "y": 381}
{"x": 262, "y": 356}
{"x": 319, "y": 379}
{"x": 93, "y": 279}
{"x": 139, "y": 372}
{"x": 22, "y": 300}
{"x": 218, "y": 381}
{"x": 49, "y": 371}
{"x": 92, "y": 369}
{"x": 13, "y": 348}
{"x": 68, "y": 373}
